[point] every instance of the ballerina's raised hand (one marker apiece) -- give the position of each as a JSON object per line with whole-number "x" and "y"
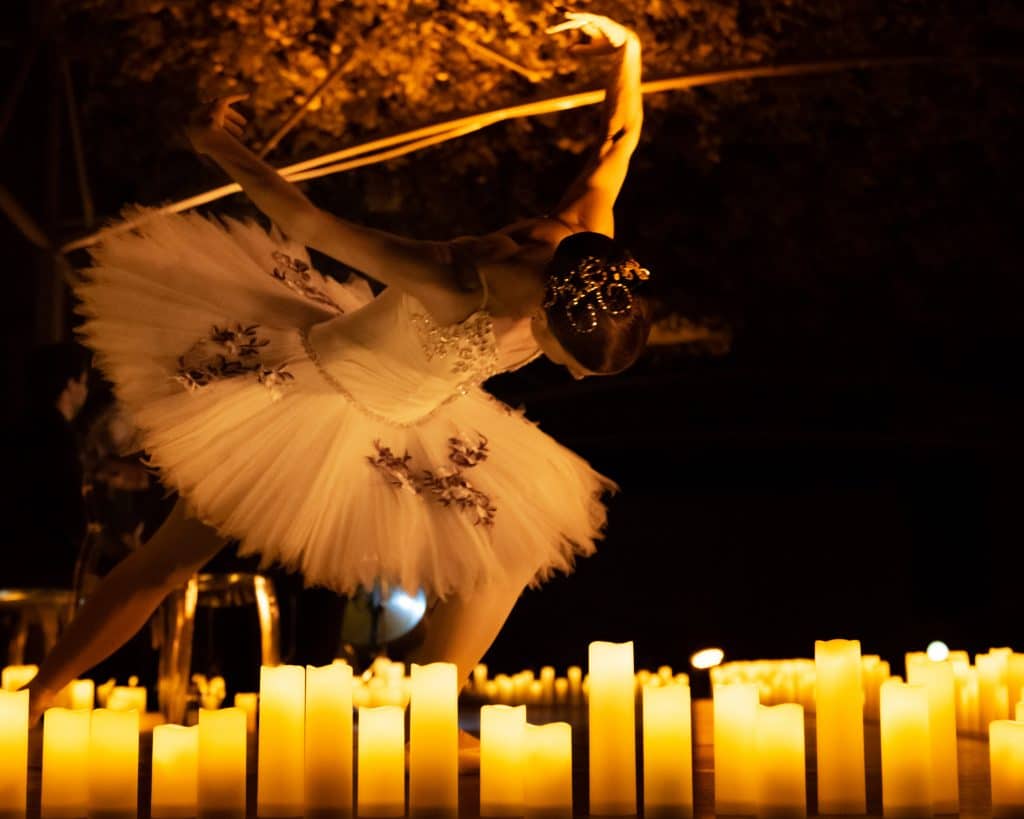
{"x": 606, "y": 35}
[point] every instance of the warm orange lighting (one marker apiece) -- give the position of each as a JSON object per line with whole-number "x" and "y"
{"x": 937, "y": 651}
{"x": 707, "y": 658}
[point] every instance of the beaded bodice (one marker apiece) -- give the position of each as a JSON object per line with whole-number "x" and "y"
{"x": 392, "y": 358}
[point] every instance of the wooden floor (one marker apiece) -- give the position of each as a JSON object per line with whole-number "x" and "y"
{"x": 973, "y": 758}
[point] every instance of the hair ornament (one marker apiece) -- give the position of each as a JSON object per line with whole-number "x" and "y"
{"x": 595, "y": 285}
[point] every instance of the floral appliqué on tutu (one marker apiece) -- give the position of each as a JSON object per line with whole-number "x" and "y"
{"x": 228, "y": 353}
{"x": 446, "y": 485}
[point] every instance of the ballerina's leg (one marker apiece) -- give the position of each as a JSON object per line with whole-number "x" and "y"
{"x": 124, "y": 600}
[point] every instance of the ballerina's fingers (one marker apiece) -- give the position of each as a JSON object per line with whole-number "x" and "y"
{"x": 234, "y": 117}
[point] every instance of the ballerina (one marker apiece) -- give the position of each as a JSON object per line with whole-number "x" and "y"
{"x": 345, "y": 435}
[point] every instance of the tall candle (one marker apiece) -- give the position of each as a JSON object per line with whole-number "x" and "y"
{"x": 65, "y": 781}
{"x": 612, "y": 710}
{"x": 113, "y": 764}
{"x": 993, "y": 692}
{"x": 13, "y": 751}
{"x": 735, "y": 712}
{"x": 175, "y": 771}
{"x": 667, "y": 752}
{"x": 1006, "y": 762}
{"x": 574, "y": 676}
{"x": 906, "y": 771}
{"x": 937, "y": 678}
{"x": 381, "y": 749}
{"x": 839, "y": 716}
{"x": 779, "y": 766}
{"x": 280, "y": 788}
{"x": 248, "y": 701}
{"x": 14, "y": 677}
{"x": 547, "y": 682}
{"x": 434, "y": 741}
{"x": 548, "y": 789}
{"x": 479, "y": 678}
{"x": 1015, "y": 678}
{"x": 222, "y": 748}
{"x": 502, "y": 760}
{"x": 329, "y": 741}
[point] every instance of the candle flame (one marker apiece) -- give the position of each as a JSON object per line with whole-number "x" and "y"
{"x": 707, "y": 658}
{"x": 937, "y": 651}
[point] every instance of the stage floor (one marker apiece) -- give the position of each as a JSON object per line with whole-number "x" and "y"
{"x": 975, "y": 795}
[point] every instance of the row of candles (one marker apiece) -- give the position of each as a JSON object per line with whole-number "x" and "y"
{"x": 985, "y": 691}
{"x": 305, "y": 759}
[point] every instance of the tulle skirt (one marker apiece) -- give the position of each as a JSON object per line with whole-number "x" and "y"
{"x": 204, "y": 337}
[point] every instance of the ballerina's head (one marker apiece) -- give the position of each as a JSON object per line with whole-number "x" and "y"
{"x": 596, "y": 314}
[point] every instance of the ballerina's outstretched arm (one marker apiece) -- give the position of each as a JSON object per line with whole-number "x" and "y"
{"x": 590, "y": 197}
{"x": 423, "y": 268}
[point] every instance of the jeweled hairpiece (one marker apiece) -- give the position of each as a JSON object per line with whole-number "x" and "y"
{"x": 595, "y": 284}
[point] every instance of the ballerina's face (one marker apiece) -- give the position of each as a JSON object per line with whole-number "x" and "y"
{"x": 552, "y": 348}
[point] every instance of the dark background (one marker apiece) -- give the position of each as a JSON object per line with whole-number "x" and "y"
{"x": 846, "y": 464}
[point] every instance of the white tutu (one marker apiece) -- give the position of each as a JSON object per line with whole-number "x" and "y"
{"x": 338, "y": 434}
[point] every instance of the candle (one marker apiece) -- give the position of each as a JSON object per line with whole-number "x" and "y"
{"x": 280, "y": 787}
{"x": 548, "y": 787}
{"x": 14, "y": 677}
{"x": 248, "y": 701}
{"x": 667, "y": 753}
{"x": 839, "y": 707}
{"x": 65, "y": 781}
{"x": 612, "y": 730}
{"x": 175, "y": 771}
{"x": 561, "y": 690}
{"x": 937, "y": 678}
{"x": 906, "y": 771}
{"x": 735, "y": 712}
{"x": 113, "y": 764}
{"x": 329, "y": 741}
{"x": 381, "y": 749}
{"x": 127, "y": 698}
{"x": 1006, "y": 762}
{"x": 1015, "y": 677}
{"x": 434, "y": 741}
{"x": 779, "y": 761}
{"x": 103, "y": 691}
{"x": 13, "y": 751}
{"x": 81, "y": 694}
{"x": 502, "y": 760}
{"x": 547, "y": 681}
{"x": 479, "y": 678}
{"x": 574, "y": 675}
{"x": 222, "y": 749}
{"x": 1019, "y": 712}
{"x": 993, "y": 692}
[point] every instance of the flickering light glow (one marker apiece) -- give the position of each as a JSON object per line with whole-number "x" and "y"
{"x": 707, "y": 658}
{"x": 937, "y": 651}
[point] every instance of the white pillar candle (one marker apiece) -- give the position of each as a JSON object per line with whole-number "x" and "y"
{"x": 127, "y": 698}
{"x": 548, "y": 788}
{"x": 113, "y": 764}
{"x": 175, "y": 770}
{"x": 735, "y": 712}
{"x": 222, "y": 751}
{"x": 1015, "y": 678}
{"x": 1006, "y": 763}
{"x": 329, "y": 741}
{"x": 248, "y": 701}
{"x": 547, "y": 682}
{"x": 1019, "y": 714}
{"x": 906, "y": 767}
{"x": 992, "y": 688}
{"x": 561, "y": 691}
{"x": 937, "y": 678}
{"x": 574, "y": 674}
{"x": 667, "y": 752}
{"x": 434, "y": 741}
{"x": 381, "y": 763}
{"x": 65, "y": 781}
{"x": 779, "y": 762}
{"x": 14, "y": 677}
{"x": 479, "y": 678}
{"x": 839, "y": 720}
{"x": 502, "y": 760}
{"x": 13, "y": 751}
{"x": 280, "y": 787}
{"x": 81, "y": 694}
{"x": 612, "y": 719}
